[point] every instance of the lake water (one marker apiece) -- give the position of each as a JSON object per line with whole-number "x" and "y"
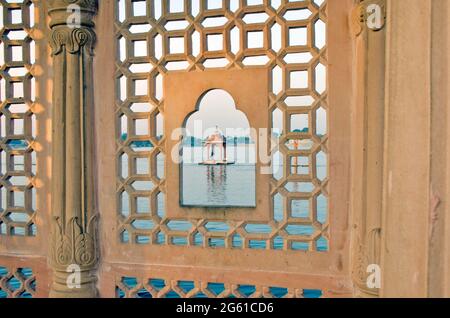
{"x": 219, "y": 186}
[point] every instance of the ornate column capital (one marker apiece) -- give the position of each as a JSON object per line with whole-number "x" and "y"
{"x": 72, "y": 25}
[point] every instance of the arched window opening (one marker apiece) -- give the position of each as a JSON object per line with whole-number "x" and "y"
{"x": 218, "y": 166}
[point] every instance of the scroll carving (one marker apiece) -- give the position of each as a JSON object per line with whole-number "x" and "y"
{"x": 73, "y": 40}
{"x": 74, "y": 245}
{"x": 367, "y": 253}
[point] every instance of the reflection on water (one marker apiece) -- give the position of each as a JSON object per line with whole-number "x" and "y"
{"x": 216, "y": 181}
{"x": 240, "y": 154}
{"x": 219, "y": 186}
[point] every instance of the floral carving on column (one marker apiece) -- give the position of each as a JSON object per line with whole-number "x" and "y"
{"x": 74, "y": 249}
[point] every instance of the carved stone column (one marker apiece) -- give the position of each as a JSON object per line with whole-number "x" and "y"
{"x": 367, "y": 23}
{"x": 74, "y": 240}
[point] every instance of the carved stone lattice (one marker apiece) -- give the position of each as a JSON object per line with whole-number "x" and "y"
{"x": 17, "y": 119}
{"x": 131, "y": 287}
{"x": 17, "y": 282}
{"x": 288, "y": 40}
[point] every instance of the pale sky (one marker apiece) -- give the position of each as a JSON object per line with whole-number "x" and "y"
{"x": 217, "y": 108}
